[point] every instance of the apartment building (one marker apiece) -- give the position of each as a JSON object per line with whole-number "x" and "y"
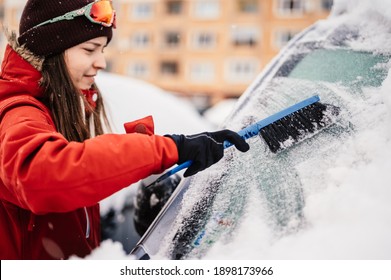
{"x": 201, "y": 48}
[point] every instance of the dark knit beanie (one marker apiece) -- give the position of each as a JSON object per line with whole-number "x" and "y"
{"x": 54, "y": 38}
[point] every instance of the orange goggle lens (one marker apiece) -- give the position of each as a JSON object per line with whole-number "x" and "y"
{"x": 103, "y": 12}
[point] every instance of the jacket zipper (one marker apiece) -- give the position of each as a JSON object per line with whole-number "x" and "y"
{"x": 88, "y": 228}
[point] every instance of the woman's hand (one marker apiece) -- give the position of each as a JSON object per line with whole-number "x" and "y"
{"x": 206, "y": 148}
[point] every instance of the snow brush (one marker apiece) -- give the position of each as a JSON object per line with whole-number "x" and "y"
{"x": 283, "y": 129}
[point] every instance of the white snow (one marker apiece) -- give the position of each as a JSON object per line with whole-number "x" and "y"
{"x": 350, "y": 219}
{"x": 130, "y": 99}
{"x": 220, "y": 111}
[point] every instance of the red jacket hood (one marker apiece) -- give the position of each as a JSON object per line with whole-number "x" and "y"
{"x": 18, "y": 76}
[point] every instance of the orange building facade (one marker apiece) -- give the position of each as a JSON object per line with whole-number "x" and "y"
{"x": 211, "y": 49}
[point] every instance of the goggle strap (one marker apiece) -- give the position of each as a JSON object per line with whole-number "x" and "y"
{"x": 84, "y": 11}
{"x": 68, "y": 16}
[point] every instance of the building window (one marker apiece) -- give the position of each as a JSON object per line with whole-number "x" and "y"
{"x": 172, "y": 39}
{"x": 327, "y": 4}
{"x": 207, "y": 9}
{"x": 241, "y": 70}
{"x": 202, "y": 72}
{"x": 138, "y": 70}
{"x": 204, "y": 40}
{"x": 245, "y": 36}
{"x": 282, "y": 37}
{"x": 169, "y": 68}
{"x": 290, "y": 7}
{"x": 174, "y": 7}
{"x": 248, "y": 6}
{"x": 142, "y": 10}
{"x": 140, "y": 40}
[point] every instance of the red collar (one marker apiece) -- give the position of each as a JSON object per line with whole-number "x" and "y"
{"x": 17, "y": 76}
{"x": 91, "y": 96}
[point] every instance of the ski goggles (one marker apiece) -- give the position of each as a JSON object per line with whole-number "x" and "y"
{"x": 99, "y": 12}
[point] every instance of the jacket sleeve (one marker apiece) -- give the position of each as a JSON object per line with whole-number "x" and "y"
{"x": 43, "y": 172}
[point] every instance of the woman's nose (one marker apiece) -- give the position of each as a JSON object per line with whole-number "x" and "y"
{"x": 100, "y": 61}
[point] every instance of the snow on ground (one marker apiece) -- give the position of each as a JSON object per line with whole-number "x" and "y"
{"x": 130, "y": 99}
{"x": 219, "y": 112}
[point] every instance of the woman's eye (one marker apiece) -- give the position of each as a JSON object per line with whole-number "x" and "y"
{"x": 89, "y": 50}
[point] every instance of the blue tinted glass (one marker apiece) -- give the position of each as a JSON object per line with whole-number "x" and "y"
{"x": 342, "y": 66}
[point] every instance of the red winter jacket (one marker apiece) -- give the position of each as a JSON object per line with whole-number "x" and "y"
{"x": 49, "y": 187}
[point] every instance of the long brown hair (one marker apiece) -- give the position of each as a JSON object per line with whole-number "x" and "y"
{"x": 71, "y": 112}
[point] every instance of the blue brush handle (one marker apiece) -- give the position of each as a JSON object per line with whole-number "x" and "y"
{"x": 250, "y": 131}
{"x": 176, "y": 169}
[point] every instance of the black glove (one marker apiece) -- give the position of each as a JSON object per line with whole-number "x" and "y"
{"x": 206, "y": 148}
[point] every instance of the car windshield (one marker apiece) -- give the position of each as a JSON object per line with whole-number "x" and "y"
{"x": 350, "y": 68}
{"x": 272, "y": 187}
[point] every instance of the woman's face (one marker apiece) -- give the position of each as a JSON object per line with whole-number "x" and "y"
{"x": 85, "y": 60}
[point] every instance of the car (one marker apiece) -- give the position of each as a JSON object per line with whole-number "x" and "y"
{"x": 312, "y": 199}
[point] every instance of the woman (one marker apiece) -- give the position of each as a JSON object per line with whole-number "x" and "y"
{"x": 56, "y": 163}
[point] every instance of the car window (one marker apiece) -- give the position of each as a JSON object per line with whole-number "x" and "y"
{"x": 350, "y": 68}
